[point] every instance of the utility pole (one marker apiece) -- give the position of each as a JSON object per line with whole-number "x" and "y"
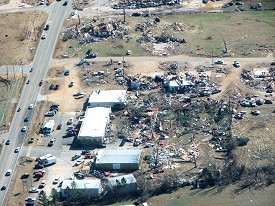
{"x": 124, "y": 14}
{"x": 7, "y": 71}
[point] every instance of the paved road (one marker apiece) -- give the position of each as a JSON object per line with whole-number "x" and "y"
{"x": 30, "y": 93}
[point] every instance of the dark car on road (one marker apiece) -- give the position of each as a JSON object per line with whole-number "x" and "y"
{"x": 47, "y": 27}
{"x": 8, "y": 142}
{"x": 65, "y": 3}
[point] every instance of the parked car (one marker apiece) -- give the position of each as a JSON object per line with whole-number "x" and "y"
{"x": 30, "y": 199}
{"x": 122, "y": 143}
{"x": 76, "y": 156}
{"x": 67, "y": 72}
{"x": 136, "y": 14}
{"x": 33, "y": 190}
{"x": 42, "y": 184}
{"x": 26, "y": 119}
{"x": 89, "y": 56}
{"x": 71, "y": 84}
{"x": 65, "y": 3}
{"x": 59, "y": 126}
{"x": 129, "y": 52}
{"x": 219, "y": 61}
{"x": 31, "y": 140}
{"x": 56, "y": 180}
{"x": 25, "y": 176}
{"x": 70, "y": 121}
{"x": 57, "y": 87}
{"x": 49, "y": 113}
{"x": 78, "y": 162}
{"x": 52, "y": 87}
{"x": 39, "y": 166}
{"x": 236, "y": 64}
{"x": 41, "y": 82}
{"x": 239, "y": 3}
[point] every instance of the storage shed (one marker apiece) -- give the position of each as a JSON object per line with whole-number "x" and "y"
{"x": 107, "y": 98}
{"x": 94, "y": 125}
{"x": 90, "y": 188}
{"x": 123, "y": 184}
{"x": 118, "y": 159}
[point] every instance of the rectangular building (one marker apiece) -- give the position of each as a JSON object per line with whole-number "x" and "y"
{"x": 122, "y": 184}
{"x": 88, "y": 188}
{"x": 107, "y": 98}
{"x": 94, "y": 125}
{"x": 118, "y": 159}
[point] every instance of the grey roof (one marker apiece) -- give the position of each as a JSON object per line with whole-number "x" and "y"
{"x": 129, "y": 179}
{"x": 118, "y": 156}
{"x": 81, "y": 184}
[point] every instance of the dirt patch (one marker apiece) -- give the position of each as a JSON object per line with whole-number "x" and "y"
{"x": 19, "y": 37}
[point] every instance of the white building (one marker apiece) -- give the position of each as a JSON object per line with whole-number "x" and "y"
{"x": 94, "y": 125}
{"x": 123, "y": 184}
{"x": 48, "y": 126}
{"x": 107, "y": 98}
{"x": 90, "y": 188}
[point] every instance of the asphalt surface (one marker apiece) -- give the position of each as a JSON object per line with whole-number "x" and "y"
{"x": 30, "y": 93}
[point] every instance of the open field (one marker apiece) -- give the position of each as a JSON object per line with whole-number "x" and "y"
{"x": 213, "y": 196}
{"x": 20, "y": 34}
{"x": 9, "y": 95}
{"x": 203, "y": 33}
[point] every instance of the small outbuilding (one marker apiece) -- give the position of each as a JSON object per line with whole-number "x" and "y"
{"x": 88, "y": 188}
{"x": 118, "y": 159}
{"x": 122, "y": 184}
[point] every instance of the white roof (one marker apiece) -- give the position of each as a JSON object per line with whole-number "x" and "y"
{"x": 129, "y": 179}
{"x": 107, "y": 96}
{"x": 81, "y": 184}
{"x": 118, "y": 156}
{"x": 49, "y": 124}
{"x": 94, "y": 122}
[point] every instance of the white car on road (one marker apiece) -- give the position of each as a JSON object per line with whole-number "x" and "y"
{"x": 24, "y": 129}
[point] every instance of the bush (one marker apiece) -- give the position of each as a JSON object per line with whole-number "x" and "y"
{"x": 241, "y": 141}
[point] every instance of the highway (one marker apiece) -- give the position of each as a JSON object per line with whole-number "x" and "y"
{"x": 29, "y": 95}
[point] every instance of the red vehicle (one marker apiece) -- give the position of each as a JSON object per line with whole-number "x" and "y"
{"x": 57, "y": 87}
{"x": 40, "y": 83}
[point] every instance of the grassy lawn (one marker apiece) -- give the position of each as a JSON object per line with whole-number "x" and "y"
{"x": 7, "y": 97}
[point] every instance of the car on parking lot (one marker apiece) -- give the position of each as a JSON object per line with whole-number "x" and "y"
{"x": 56, "y": 180}
{"x": 71, "y": 84}
{"x": 24, "y": 129}
{"x": 30, "y": 199}
{"x": 25, "y": 176}
{"x": 42, "y": 184}
{"x": 31, "y": 140}
{"x": 67, "y": 72}
{"x": 16, "y": 149}
{"x": 219, "y": 61}
{"x": 70, "y": 121}
{"x": 39, "y": 166}
{"x": 26, "y": 119}
{"x": 8, "y": 173}
{"x": 4, "y": 187}
{"x": 76, "y": 156}
{"x": 122, "y": 143}
{"x": 59, "y": 126}
{"x": 50, "y": 114}
{"x": 57, "y": 86}
{"x": 52, "y": 86}
{"x": 78, "y": 162}
{"x": 236, "y": 64}
{"x": 33, "y": 190}
{"x": 8, "y": 142}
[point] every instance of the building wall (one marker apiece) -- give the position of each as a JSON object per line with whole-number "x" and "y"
{"x": 90, "y": 192}
{"x": 90, "y": 140}
{"x": 127, "y": 188}
{"x": 114, "y": 166}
